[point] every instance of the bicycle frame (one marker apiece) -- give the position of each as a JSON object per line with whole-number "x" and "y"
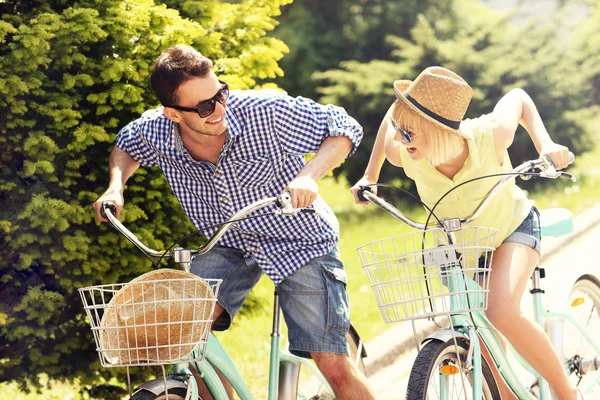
{"x": 215, "y": 353}
{"x": 463, "y": 323}
{"x": 217, "y": 356}
{"x": 477, "y": 320}
{"x": 541, "y": 315}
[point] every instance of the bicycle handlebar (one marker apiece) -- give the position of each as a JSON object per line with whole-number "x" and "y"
{"x": 283, "y": 201}
{"x": 543, "y": 163}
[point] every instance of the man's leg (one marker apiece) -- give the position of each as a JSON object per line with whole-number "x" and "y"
{"x": 238, "y": 279}
{"x": 345, "y": 379}
{"x": 316, "y": 311}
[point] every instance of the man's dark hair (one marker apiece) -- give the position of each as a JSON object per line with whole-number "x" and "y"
{"x": 173, "y": 67}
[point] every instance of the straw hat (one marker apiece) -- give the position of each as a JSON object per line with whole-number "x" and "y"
{"x": 438, "y": 95}
{"x": 160, "y": 316}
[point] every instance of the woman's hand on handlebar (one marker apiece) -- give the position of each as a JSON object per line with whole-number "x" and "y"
{"x": 110, "y": 196}
{"x": 364, "y": 181}
{"x": 558, "y": 154}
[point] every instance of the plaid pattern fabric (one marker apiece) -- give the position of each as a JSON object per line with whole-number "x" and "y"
{"x": 269, "y": 135}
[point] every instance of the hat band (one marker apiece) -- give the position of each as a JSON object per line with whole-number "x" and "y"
{"x": 428, "y": 112}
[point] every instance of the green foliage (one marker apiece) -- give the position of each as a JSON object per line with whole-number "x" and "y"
{"x": 71, "y": 74}
{"x": 321, "y": 34}
{"x": 557, "y": 69}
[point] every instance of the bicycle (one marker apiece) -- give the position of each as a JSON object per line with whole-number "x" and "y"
{"x": 443, "y": 270}
{"x": 209, "y": 358}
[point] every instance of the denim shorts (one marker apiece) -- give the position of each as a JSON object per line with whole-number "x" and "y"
{"x": 529, "y": 232}
{"x": 313, "y": 299}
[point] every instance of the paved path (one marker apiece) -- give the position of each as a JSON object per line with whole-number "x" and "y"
{"x": 568, "y": 260}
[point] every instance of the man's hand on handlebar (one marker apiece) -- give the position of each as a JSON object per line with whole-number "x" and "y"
{"x": 110, "y": 196}
{"x": 304, "y": 191}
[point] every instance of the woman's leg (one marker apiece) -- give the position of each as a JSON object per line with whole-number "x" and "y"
{"x": 512, "y": 267}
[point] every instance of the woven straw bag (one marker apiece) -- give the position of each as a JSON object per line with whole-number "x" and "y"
{"x": 158, "y": 317}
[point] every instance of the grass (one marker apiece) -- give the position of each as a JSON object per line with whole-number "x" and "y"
{"x": 53, "y": 390}
{"x": 247, "y": 342}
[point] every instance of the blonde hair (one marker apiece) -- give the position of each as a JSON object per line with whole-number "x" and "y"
{"x": 443, "y": 145}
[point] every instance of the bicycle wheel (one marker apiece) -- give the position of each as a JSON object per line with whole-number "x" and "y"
{"x": 426, "y": 375}
{"x": 309, "y": 387}
{"x": 584, "y": 306}
{"x": 174, "y": 394}
{"x": 357, "y": 351}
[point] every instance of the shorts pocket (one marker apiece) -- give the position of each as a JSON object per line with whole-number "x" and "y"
{"x": 338, "y": 311}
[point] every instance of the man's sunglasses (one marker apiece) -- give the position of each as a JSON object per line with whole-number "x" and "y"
{"x": 406, "y": 135}
{"x": 207, "y": 107}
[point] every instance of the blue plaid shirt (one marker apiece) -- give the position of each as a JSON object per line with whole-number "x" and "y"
{"x": 269, "y": 134}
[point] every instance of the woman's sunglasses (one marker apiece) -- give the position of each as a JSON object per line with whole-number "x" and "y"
{"x": 406, "y": 135}
{"x": 207, "y": 107}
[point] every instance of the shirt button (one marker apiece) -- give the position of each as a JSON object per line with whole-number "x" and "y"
{"x": 216, "y": 174}
{"x": 224, "y": 198}
{"x": 256, "y": 250}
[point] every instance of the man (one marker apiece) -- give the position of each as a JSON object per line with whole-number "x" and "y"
{"x": 221, "y": 152}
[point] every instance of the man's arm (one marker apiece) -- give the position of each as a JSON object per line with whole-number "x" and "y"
{"x": 121, "y": 166}
{"x": 331, "y": 153}
{"x": 304, "y": 127}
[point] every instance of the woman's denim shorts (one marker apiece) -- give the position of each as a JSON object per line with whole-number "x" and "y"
{"x": 529, "y": 232}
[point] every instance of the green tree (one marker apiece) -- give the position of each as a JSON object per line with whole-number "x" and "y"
{"x": 492, "y": 55}
{"x": 321, "y": 34}
{"x": 71, "y": 74}
{"x": 586, "y": 51}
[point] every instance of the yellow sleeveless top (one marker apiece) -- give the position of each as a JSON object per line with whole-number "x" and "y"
{"x": 508, "y": 208}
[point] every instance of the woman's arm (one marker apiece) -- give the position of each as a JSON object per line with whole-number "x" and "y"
{"x": 516, "y": 107}
{"x": 385, "y": 147}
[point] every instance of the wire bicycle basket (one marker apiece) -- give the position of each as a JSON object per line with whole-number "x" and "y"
{"x": 158, "y": 318}
{"x": 429, "y": 273}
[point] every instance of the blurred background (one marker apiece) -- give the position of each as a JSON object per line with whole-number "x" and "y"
{"x": 73, "y": 72}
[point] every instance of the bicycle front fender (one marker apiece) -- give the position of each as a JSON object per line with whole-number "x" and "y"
{"x": 157, "y": 386}
{"x": 444, "y": 335}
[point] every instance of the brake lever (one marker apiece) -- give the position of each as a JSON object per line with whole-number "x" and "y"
{"x": 284, "y": 202}
{"x": 567, "y": 175}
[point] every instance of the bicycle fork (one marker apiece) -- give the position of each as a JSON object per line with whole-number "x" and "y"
{"x": 460, "y": 299}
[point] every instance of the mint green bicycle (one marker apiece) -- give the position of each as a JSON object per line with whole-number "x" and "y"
{"x": 443, "y": 270}
{"x": 208, "y": 365}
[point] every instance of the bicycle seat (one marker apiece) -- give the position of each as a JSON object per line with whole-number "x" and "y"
{"x": 556, "y": 221}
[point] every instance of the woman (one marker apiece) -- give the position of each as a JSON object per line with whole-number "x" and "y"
{"x": 423, "y": 132}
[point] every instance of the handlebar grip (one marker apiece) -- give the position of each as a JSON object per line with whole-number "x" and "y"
{"x": 109, "y": 206}
{"x": 360, "y": 195}
{"x": 549, "y": 161}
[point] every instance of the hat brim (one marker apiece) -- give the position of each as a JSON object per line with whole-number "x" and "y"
{"x": 400, "y": 87}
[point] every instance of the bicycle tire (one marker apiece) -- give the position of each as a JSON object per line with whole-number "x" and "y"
{"x": 174, "y": 394}
{"x": 587, "y": 312}
{"x": 426, "y": 367}
{"x": 357, "y": 359}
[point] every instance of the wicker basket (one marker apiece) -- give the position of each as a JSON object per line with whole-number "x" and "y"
{"x": 157, "y": 318}
{"x": 429, "y": 273}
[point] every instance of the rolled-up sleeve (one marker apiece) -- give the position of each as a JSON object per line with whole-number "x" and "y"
{"x": 302, "y": 124}
{"x": 131, "y": 140}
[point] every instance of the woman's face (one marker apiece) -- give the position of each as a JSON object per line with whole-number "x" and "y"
{"x": 415, "y": 143}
